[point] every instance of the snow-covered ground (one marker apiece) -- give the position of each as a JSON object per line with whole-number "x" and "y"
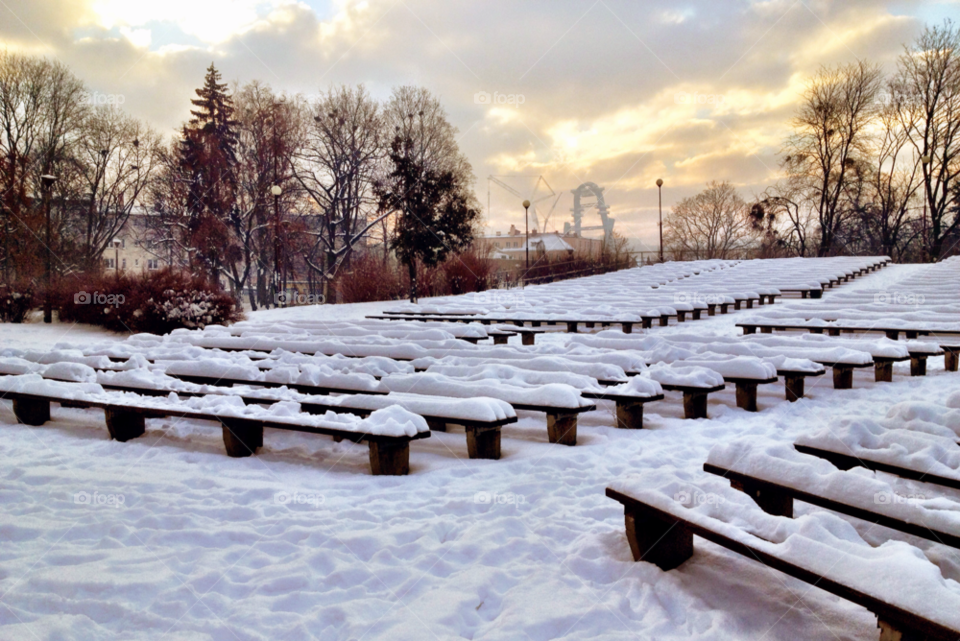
{"x": 165, "y": 537}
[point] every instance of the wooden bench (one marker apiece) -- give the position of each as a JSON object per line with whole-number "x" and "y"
{"x": 846, "y": 461}
{"x": 694, "y": 398}
{"x": 747, "y": 390}
{"x": 777, "y": 499}
{"x": 389, "y": 455}
{"x": 794, "y": 382}
{"x": 561, "y": 422}
{"x": 666, "y": 540}
{"x": 629, "y": 408}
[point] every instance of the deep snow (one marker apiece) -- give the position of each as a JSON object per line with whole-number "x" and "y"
{"x": 167, "y": 537}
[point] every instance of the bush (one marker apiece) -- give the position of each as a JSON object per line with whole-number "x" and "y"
{"x": 467, "y": 272}
{"x": 16, "y": 300}
{"x": 157, "y": 302}
{"x": 367, "y": 280}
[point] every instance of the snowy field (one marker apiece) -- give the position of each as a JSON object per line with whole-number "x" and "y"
{"x": 165, "y": 537}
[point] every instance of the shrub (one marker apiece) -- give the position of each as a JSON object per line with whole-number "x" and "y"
{"x": 467, "y": 272}
{"x": 156, "y": 302}
{"x": 367, "y": 280}
{"x": 16, "y": 300}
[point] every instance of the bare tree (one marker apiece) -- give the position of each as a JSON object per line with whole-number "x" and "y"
{"x": 113, "y": 163}
{"x": 831, "y": 136}
{"x": 340, "y": 155}
{"x": 927, "y": 88}
{"x": 712, "y": 224}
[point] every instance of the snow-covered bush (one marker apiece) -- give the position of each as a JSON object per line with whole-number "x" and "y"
{"x": 153, "y": 302}
{"x": 16, "y": 300}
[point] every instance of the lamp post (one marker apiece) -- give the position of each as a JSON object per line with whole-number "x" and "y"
{"x": 276, "y": 191}
{"x": 660, "y": 208}
{"x": 46, "y": 181}
{"x": 526, "y": 244}
{"x": 925, "y": 160}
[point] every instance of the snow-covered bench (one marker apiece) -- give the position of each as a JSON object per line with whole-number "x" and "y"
{"x": 663, "y": 512}
{"x": 775, "y": 475}
{"x": 387, "y": 432}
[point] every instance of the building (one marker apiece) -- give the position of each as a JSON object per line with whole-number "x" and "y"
{"x": 133, "y": 251}
{"x": 509, "y": 251}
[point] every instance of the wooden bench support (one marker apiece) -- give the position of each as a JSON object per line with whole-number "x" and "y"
{"x": 694, "y": 405}
{"x": 589, "y": 325}
{"x": 747, "y": 396}
{"x": 842, "y": 377}
{"x": 534, "y": 323}
{"x": 833, "y": 331}
{"x": 918, "y": 366}
{"x": 562, "y": 428}
{"x": 816, "y": 330}
{"x": 664, "y": 320}
{"x": 31, "y": 411}
{"x": 911, "y": 334}
{"x": 527, "y": 338}
{"x": 724, "y": 308}
{"x": 664, "y": 543}
{"x": 695, "y": 314}
{"x": 500, "y": 339}
{"x": 646, "y": 323}
{"x": 750, "y": 329}
{"x": 572, "y": 327}
{"x": 951, "y": 358}
{"x": 124, "y": 426}
{"x": 883, "y": 371}
{"x": 629, "y": 415}
{"x": 711, "y": 309}
{"x": 816, "y": 293}
{"x": 768, "y": 498}
{"x": 794, "y": 387}
{"x": 681, "y": 315}
{"x": 736, "y": 304}
{"x": 437, "y": 425}
{"x": 389, "y": 458}
{"x": 892, "y": 334}
{"x": 241, "y": 437}
{"x": 483, "y": 443}
{"x": 766, "y": 330}
{"x": 627, "y": 328}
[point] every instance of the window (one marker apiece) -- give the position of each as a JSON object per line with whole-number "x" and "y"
{"x": 123, "y": 263}
{"x": 153, "y": 263}
{"x": 108, "y": 263}
{"x": 136, "y": 262}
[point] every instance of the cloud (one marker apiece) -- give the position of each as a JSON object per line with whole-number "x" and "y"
{"x": 603, "y": 83}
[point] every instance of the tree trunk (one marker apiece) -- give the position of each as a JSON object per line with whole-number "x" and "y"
{"x": 412, "y": 271}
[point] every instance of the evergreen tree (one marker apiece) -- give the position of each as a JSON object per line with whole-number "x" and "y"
{"x": 207, "y": 156}
{"x": 436, "y": 212}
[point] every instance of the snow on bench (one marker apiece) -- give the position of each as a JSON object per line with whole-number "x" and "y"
{"x": 663, "y": 511}
{"x": 774, "y": 474}
{"x": 696, "y": 383}
{"x": 387, "y": 432}
{"x": 561, "y": 403}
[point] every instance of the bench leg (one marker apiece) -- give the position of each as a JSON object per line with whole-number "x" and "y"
{"x": 910, "y": 334}
{"x": 918, "y": 366}
{"x": 681, "y": 316}
{"x": 749, "y": 329}
{"x": 736, "y": 304}
{"x": 664, "y": 320}
{"x": 241, "y": 437}
{"x": 518, "y": 323}
{"x": 572, "y": 328}
{"x": 724, "y": 307}
{"x": 124, "y": 426}
{"x": 694, "y": 405}
{"x": 749, "y": 303}
{"x": 527, "y": 339}
{"x": 534, "y": 323}
{"x": 766, "y": 330}
{"x": 817, "y": 293}
{"x": 747, "y": 396}
{"x": 770, "y": 500}
{"x": 500, "y": 339}
{"x": 437, "y": 426}
{"x": 31, "y": 411}
{"x": 833, "y": 331}
{"x": 711, "y": 310}
{"x": 695, "y": 314}
{"x": 483, "y": 443}
{"x": 562, "y": 428}
{"x": 950, "y": 361}
{"x": 816, "y": 330}
{"x": 883, "y": 372}
{"x": 627, "y": 328}
{"x": 629, "y": 415}
{"x": 892, "y": 334}
{"x": 389, "y": 459}
{"x": 892, "y": 632}
{"x": 666, "y": 544}
{"x": 842, "y": 377}
{"x": 794, "y": 387}
{"x": 646, "y": 323}
{"x": 804, "y": 293}
{"x": 590, "y": 325}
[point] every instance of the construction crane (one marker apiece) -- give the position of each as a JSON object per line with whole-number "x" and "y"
{"x": 538, "y": 224}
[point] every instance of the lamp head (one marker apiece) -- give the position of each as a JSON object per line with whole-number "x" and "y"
{"x": 275, "y": 190}
{"x": 659, "y": 182}
{"x": 526, "y": 204}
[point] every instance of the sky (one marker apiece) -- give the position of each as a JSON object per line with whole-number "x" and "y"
{"x": 618, "y": 93}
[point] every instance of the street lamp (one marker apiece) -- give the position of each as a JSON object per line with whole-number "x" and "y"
{"x": 926, "y": 241}
{"x": 660, "y": 207}
{"x": 526, "y": 221}
{"x": 276, "y": 191}
{"x": 46, "y": 181}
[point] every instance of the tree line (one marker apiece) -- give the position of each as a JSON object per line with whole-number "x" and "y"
{"x": 872, "y": 166}
{"x": 258, "y": 189}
